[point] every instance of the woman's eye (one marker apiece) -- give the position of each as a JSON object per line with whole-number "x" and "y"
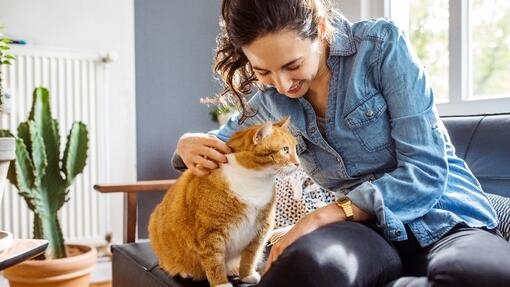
{"x": 262, "y": 74}
{"x": 293, "y": 68}
{"x": 285, "y": 149}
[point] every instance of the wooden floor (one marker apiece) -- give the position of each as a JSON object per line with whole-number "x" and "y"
{"x": 102, "y": 274}
{"x": 102, "y": 284}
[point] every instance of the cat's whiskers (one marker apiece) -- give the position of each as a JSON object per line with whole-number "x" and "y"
{"x": 287, "y": 170}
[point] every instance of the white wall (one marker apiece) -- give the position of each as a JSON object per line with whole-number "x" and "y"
{"x": 90, "y": 26}
{"x": 356, "y": 10}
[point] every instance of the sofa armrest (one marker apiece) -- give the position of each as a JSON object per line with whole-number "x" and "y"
{"x": 130, "y": 191}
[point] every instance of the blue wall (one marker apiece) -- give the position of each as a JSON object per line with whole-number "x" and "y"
{"x": 175, "y": 43}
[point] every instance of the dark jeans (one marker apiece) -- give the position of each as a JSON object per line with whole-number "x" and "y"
{"x": 354, "y": 254}
{"x": 463, "y": 257}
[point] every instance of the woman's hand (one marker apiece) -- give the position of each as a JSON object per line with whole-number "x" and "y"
{"x": 310, "y": 222}
{"x": 201, "y": 152}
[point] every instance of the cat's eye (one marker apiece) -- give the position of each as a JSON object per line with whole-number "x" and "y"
{"x": 285, "y": 149}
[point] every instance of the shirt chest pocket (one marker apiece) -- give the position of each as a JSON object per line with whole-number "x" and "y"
{"x": 370, "y": 123}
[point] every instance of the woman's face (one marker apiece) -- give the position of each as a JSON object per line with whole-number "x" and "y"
{"x": 285, "y": 61}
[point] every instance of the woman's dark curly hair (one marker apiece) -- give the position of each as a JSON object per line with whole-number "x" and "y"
{"x": 243, "y": 21}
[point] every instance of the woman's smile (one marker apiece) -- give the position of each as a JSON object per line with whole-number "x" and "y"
{"x": 295, "y": 88}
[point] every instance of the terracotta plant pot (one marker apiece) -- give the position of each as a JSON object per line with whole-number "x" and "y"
{"x": 72, "y": 271}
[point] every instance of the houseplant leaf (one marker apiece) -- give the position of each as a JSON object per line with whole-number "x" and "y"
{"x": 75, "y": 153}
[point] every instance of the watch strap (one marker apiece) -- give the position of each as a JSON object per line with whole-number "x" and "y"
{"x": 346, "y": 205}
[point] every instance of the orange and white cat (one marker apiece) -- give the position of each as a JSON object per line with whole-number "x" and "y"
{"x": 216, "y": 225}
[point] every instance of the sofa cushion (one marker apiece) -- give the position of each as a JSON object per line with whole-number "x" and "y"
{"x": 135, "y": 264}
{"x": 502, "y": 206}
{"x": 482, "y": 142}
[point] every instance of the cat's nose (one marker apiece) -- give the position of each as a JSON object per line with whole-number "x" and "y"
{"x": 295, "y": 160}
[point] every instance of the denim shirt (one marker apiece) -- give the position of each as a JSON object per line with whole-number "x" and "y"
{"x": 384, "y": 145}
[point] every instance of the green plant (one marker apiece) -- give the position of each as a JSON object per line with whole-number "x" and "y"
{"x": 220, "y": 105}
{"x": 5, "y": 59}
{"x": 42, "y": 178}
{"x": 216, "y": 111}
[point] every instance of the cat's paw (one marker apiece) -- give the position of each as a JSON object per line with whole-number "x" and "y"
{"x": 185, "y": 275}
{"x": 224, "y": 285}
{"x": 253, "y": 278}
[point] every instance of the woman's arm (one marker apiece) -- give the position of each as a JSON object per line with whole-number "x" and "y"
{"x": 312, "y": 221}
{"x": 419, "y": 180}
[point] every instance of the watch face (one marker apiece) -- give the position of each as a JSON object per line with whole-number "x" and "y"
{"x": 343, "y": 200}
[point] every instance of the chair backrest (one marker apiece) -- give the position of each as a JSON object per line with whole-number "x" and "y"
{"x": 483, "y": 141}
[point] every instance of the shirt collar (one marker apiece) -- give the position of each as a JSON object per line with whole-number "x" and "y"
{"x": 343, "y": 41}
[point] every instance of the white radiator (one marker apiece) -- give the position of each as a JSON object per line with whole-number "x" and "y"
{"x": 78, "y": 89}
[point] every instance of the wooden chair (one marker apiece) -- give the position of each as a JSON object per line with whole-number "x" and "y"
{"x": 130, "y": 191}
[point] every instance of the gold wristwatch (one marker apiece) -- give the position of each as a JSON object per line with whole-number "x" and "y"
{"x": 345, "y": 204}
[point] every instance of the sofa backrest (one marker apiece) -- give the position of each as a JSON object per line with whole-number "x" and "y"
{"x": 483, "y": 141}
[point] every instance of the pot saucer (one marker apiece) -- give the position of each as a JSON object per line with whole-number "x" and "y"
{"x": 5, "y": 240}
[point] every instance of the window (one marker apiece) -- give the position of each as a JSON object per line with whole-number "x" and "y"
{"x": 490, "y": 48}
{"x": 465, "y": 46}
{"x": 428, "y": 31}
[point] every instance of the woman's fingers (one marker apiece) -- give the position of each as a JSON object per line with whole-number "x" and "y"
{"x": 309, "y": 223}
{"x": 212, "y": 155}
{"x": 201, "y": 152}
{"x": 205, "y": 162}
{"x": 270, "y": 260}
{"x": 275, "y": 252}
{"x": 199, "y": 171}
{"x": 217, "y": 145}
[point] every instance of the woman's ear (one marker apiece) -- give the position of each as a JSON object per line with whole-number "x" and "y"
{"x": 322, "y": 28}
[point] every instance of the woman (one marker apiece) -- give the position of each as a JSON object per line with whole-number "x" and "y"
{"x": 409, "y": 210}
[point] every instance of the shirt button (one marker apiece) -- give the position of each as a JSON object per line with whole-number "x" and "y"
{"x": 397, "y": 232}
{"x": 369, "y": 113}
{"x": 338, "y": 159}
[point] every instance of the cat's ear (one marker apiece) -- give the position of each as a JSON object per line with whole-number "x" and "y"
{"x": 284, "y": 122}
{"x": 265, "y": 130}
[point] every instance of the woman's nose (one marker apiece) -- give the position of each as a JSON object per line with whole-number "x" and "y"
{"x": 282, "y": 83}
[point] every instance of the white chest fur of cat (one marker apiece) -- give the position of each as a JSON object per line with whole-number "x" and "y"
{"x": 217, "y": 225}
{"x": 253, "y": 188}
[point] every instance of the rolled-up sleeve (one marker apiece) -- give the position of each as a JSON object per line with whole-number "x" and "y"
{"x": 415, "y": 185}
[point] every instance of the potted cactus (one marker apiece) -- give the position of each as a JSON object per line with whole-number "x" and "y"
{"x": 43, "y": 178}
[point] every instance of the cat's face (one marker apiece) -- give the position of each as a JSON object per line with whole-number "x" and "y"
{"x": 267, "y": 146}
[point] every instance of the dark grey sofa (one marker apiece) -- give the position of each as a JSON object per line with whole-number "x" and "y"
{"x": 482, "y": 140}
